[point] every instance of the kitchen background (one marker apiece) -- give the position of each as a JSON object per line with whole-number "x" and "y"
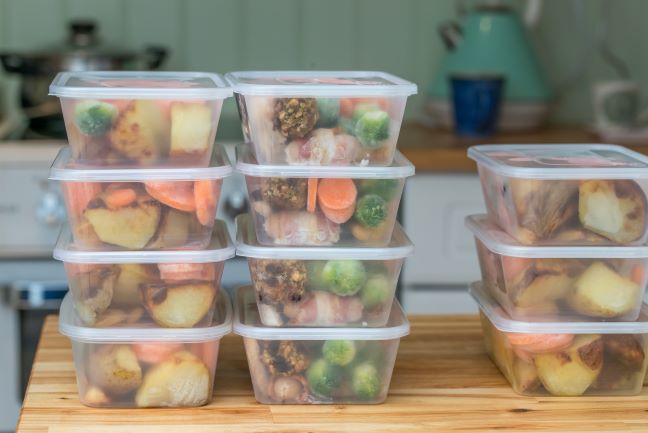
{"x": 400, "y": 37}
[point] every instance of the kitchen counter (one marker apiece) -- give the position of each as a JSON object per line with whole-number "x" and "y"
{"x": 443, "y": 381}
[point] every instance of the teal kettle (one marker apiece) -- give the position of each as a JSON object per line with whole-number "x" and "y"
{"x": 493, "y": 39}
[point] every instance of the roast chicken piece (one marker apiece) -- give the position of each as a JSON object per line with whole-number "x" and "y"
{"x": 301, "y": 228}
{"x": 324, "y": 308}
{"x": 323, "y": 148}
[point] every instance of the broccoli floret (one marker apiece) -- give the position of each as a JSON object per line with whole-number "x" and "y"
{"x": 372, "y": 128}
{"x": 339, "y": 352}
{"x": 323, "y": 377}
{"x": 329, "y": 110}
{"x": 376, "y": 291}
{"x": 371, "y": 210}
{"x": 94, "y": 117}
{"x": 344, "y": 277}
{"x": 314, "y": 274}
{"x": 386, "y": 188}
{"x": 365, "y": 381}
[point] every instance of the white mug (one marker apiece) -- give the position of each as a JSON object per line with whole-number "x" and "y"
{"x": 617, "y": 105}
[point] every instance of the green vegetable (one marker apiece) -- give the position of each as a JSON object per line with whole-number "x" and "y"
{"x": 372, "y": 351}
{"x": 371, "y": 210}
{"x": 344, "y": 277}
{"x": 365, "y": 381}
{"x": 386, "y": 188}
{"x": 339, "y": 352}
{"x": 314, "y": 274}
{"x": 94, "y": 117}
{"x": 329, "y": 110}
{"x": 323, "y": 377}
{"x": 363, "y": 108}
{"x": 347, "y": 124}
{"x": 376, "y": 291}
{"x": 372, "y": 128}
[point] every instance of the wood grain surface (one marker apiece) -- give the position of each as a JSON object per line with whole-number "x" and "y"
{"x": 443, "y": 381}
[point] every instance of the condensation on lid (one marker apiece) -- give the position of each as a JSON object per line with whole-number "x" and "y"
{"x": 140, "y": 85}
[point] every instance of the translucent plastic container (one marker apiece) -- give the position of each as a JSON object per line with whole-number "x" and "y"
{"x": 133, "y": 366}
{"x": 565, "y": 194}
{"x": 141, "y": 118}
{"x": 318, "y": 365}
{"x": 144, "y": 208}
{"x": 319, "y": 205}
{"x": 563, "y": 358}
{"x": 174, "y": 289}
{"x": 549, "y": 283}
{"x": 321, "y": 117}
{"x": 323, "y": 286}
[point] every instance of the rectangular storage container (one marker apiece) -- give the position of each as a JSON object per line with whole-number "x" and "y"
{"x": 320, "y": 205}
{"x": 565, "y": 358}
{"x": 565, "y": 194}
{"x": 133, "y": 366}
{"x": 143, "y": 208}
{"x": 549, "y": 283}
{"x": 173, "y": 289}
{"x": 141, "y": 118}
{"x": 317, "y": 365}
{"x": 323, "y": 286}
{"x": 321, "y": 117}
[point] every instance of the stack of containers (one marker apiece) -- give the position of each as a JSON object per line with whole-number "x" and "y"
{"x": 324, "y": 180}
{"x": 564, "y": 266}
{"x": 143, "y": 253}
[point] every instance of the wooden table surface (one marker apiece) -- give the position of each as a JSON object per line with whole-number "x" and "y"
{"x": 443, "y": 381}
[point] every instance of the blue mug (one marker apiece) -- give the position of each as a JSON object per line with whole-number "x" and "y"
{"x": 476, "y": 102}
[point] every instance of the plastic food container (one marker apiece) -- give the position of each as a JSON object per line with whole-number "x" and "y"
{"x": 319, "y": 205}
{"x": 549, "y": 283}
{"x": 144, "y": 208}
{"x": 318, "y": 365}
{"x": 323, "y": 286}
{"x": 565, "y": 194}
{"x": 132, "y": 366}
{"x": 562, "y": 358}
{"x": 321, "y": 117}
{"x": 174, "y": 289}
{"x": 141, "y": 118}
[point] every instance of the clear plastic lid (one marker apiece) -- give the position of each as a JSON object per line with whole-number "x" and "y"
{"x": 247, "y": 164}
{"x": 499, "y": 242}
{"x": 248, "y": 324}
{"x": 65, "y": 170}
{"x": 220, "y": 249}
{"x": 247, "y": 245}
{"x": 562, "y": 161}
{"x": 71, "y": 326}
{"x": 319, "y": 83}
{"x": 504, "y": 323}
{"x": 140, "y": 85}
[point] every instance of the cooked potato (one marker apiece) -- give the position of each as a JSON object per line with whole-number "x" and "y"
{"x": 141, "y": 131}
{"x": 114, "y": 369}
{"x": 179, "y": 305}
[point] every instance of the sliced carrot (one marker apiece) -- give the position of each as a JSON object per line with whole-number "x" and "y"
{"x": 513, "y": 267}
{"x": 336, "y": 194}
{"x": 346, "y": 107}
{"x": 178, "y": 195}
{"x": 540, "y": 343}
{"x": 638, "y": 274}
{"x": 381, "y": 103}
{"x": 78, "y": 195}
{"x": 120, "y": 198}
{"x": 153, "y": 353}
{"x": 338, "y": 216}
{"x": 206, "y": 194}
{"x": 73, "y": 269}
{"x": 312, "y": 194}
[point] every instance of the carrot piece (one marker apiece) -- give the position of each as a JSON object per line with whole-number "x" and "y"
{"x": 346, "y": 107}
{"x": 78, "y": 195}
{"x": 206, "y": 351}
{"x": 540, "y": 343}
{"x": 336, "y": 194}
{"x": 73, "y": 269}
{"x": 178, "y": 195}
{"x": 638, "y": 274}
{"x": 120, "y": 198}
{"x": 338, "y": 216}
{"x": 206, "y": 193}
{"x": 312, "y": 194}
{"x": 153, "y": 353}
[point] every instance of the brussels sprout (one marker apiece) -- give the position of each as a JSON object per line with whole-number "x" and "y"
{"x": 371, "y": 210}
{"x": 372, "y": 128}
{"x": 365, "y": 381}
{"x": 329, "y": 109}
{"x": 363, "y": 108}
{"x": 344, "y": 277}
{"x": 323, "y": 377}
{"x": 314, "y": 274}
{"x": 347, "y": 124}
{"x": 376, "y": 291}
{"x": 339, "y": 352}
{"x": 386, "y": 188}
{"x": 94, "y": 117}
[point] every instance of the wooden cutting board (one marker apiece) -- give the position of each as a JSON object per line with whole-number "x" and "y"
{"x": 443, "y": 381}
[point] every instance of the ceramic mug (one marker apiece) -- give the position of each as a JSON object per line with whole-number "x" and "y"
{"x": 476, "y": 102}
{"x": 616, "y": 104}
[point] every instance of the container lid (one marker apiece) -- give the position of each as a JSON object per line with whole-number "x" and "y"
{"x": 65, "y": 170}
{"x": 220, "y": 249}
{"x": 140, "y": 85}
{"x": 71, "y": 326}
{"x": 247, "y": 164}
{"x": 319, "y": 83}
{"x": 500, "y": 242}
{"x": 561, "y": 161}
{"x": 504, "y": 323}
{"x": 247, "y": 245}
{"x": 248, "y": 324}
